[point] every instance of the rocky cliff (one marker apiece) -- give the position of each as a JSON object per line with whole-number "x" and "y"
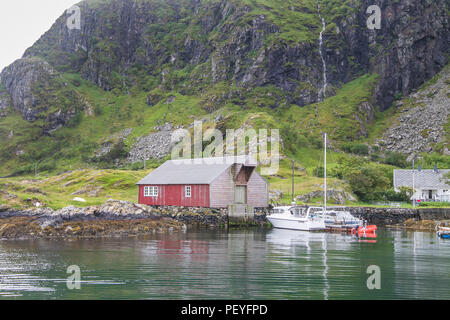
{"x": 33, "y": 88}
{"x": 269, "y": 54}
{"x": 251, "y": 44}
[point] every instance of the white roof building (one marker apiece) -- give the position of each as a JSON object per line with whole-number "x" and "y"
{"x": 429, "y": 184}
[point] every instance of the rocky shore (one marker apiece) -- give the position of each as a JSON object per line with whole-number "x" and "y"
{"x": 113, "y": 218}
{"x": 420, "y": 225}
{"x": 30, "y": 228}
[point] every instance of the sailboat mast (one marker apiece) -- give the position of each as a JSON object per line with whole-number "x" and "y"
{"x": 292, "y": 200}
{"x": 325, "y": 174}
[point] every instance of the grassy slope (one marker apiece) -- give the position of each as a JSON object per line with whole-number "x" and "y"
{"x": 120, "y": 184}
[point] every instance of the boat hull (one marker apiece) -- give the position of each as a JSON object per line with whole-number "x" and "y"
{"x": 444, "y": 235}
{"x": 296, "y": 224}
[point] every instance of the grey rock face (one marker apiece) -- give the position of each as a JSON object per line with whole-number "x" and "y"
{"x": 153, "y": 146}
{"x": 18, "y": 79}
{"x": 275, "y": 195}
{"x": 31, "y": 85}
{"x": 109, "y": 143}
{"x": 5, "y": 104}
{"x": 414, "y": 40}
{"x": 420, "y": 127}
{"x": 338, "y": 196}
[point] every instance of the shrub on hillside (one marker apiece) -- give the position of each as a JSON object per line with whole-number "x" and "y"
{"x": 403, "y": 195}
{"x": 319, "y": 172}
{"x": 291, "y": 139}
{"x": 118, "y": 151}
{"x": 396, "y": 159}
{"x": 355, "y": 148}
{"x": 435, "y": 159}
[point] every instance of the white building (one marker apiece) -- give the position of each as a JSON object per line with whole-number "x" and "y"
{"x": 429, "y": 184}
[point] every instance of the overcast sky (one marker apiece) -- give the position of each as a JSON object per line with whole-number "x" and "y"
{"x": 22, "y": 22}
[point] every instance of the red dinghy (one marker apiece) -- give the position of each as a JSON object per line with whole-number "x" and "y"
{"x": 364, "y": 230}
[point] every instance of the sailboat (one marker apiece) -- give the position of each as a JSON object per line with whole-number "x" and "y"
{"x": 295, "y": 217}
{"x": 339, "y": 219}
{"x": 317, "y": 218}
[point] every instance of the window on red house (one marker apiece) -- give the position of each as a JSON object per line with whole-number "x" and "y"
{"x": 187, "y": 191}
{"x": 150, "y": 191}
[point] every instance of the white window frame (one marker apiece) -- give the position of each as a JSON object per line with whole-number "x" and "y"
{"x": 150, "y": 191}
{"x": 188, "y": 191}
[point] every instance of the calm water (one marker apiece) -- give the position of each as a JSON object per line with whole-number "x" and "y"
{"x": 250, "y": 264}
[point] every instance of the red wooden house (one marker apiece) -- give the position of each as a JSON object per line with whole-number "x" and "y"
{"x": 207, "y": 182}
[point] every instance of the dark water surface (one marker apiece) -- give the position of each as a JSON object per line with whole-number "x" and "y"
{"x": 248, "y": 264}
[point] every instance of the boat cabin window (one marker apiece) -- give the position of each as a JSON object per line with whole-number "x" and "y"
{"x": 296, "y": 211}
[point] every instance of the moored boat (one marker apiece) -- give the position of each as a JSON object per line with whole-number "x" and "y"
{"x": 443, "y": 232}
{"x": 296, "y": 218}
{"x": 365, "y": 230}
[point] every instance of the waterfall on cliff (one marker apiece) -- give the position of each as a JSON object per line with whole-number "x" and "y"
{"x": 322, "y": 92}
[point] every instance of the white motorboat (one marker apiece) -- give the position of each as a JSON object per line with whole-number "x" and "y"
{"x": 296, "y": 218}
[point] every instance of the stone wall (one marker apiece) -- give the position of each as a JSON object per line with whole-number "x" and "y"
{"x": 194, "y": 216}
{"x": 384, "y": 216}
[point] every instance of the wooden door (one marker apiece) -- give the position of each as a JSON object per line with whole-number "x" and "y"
{"x": 241, "y": 194}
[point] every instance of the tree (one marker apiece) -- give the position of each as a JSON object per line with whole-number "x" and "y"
{"x": 447, "y": 178}
{"x": 396, "y": 159}
{"x": 368, "y": 181}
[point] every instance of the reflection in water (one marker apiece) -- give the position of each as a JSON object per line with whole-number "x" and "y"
{"x": 421, "y": 264}
{"x": 249, "y": 264}
{"x": 325, "y": 271}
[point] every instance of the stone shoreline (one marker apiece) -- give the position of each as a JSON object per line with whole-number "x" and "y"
{"x": 114, "y": 218}
{"x": 397, "y": 216}
{"x": 26, "y": 228}
{"x": 124, "y": 218}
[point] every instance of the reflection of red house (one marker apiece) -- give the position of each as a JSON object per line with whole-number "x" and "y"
{"x": 169, "y": 246}
{"x": 199, "y": 247}
{"x": 208, "y": 182}
{"x": 176, "y": 247}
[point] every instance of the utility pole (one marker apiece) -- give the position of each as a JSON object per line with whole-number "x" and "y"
{"x": 413, "y": 182}
{"x": 325, "y": 173}
{"x": 293, "y": 164}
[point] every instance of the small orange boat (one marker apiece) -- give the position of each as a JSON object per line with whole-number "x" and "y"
{"x": 364, "y": 230}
